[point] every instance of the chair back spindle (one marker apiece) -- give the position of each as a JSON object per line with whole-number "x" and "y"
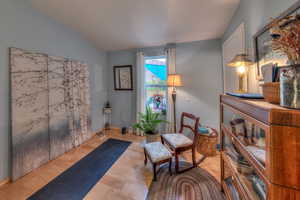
{"x": 193, "y": 127}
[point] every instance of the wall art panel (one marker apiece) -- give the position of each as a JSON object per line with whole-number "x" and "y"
{"x": 60, "y": 137}
{"x": 84, "y": 108}
{"x": 50, "y": 108}
{"x": 80, "y": 102}
{"x": 30, "y": 136}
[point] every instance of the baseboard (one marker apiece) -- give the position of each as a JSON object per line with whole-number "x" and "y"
{"x": 115, "y": 128}
{"x": 5, "y": 181}
{"x": 96, "y": 132}
{"x": 102, "y": 131}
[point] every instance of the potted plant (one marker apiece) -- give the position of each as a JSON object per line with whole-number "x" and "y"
{"x": 148, "y": 123}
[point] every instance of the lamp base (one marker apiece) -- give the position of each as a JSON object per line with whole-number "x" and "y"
{"x": 241, "y": 84}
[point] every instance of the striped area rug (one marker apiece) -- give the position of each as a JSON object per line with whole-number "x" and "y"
{"x": 195, "y": 184}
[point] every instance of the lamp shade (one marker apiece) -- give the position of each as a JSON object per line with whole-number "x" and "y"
{"x": 174, "y": 80}
{"x": 240, "y": 60}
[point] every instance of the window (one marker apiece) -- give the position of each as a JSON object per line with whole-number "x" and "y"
{"x": 156, "y": 83}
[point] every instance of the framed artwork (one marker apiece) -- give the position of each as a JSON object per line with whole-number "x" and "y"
{"x": 264, "y": 54}
{"x": 123, "y": 77}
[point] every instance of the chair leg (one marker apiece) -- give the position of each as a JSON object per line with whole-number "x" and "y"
{"x": 154, "y": 172}
{"x": 146, "y": 160}
{"x": 176, "y": 162}
{"x": 170, "y": 166}
{"x": 194, "y": 157}
{"x": 162, "y": 140}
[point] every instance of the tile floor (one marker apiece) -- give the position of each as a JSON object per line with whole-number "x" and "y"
{"x": 127, "y": 179}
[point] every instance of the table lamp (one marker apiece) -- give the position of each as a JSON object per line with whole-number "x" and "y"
{"x": 241, "y": 62}
{"x": 174, "y": 80}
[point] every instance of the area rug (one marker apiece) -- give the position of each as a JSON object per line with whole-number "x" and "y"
{"x": 78, "y": 180}
{"x": 195, "y": 184}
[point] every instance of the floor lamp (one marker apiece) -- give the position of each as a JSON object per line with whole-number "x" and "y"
{"x": 174, "y": 80}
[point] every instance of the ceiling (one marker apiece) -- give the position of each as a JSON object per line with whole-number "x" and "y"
{"x": 123, "y": 24}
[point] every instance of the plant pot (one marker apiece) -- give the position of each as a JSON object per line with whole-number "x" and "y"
{"x": 152, "y": 138}
{"x": 271, "y": 92}
{"x": 290, "y": 87}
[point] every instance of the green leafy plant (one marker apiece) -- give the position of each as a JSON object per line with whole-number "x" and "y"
{"x": 149, "y": 121}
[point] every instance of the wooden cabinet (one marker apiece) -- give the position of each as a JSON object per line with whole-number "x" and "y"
{"x": 260, "y": 144}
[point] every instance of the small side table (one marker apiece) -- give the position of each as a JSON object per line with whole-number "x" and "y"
{"x": 107, "y": 118}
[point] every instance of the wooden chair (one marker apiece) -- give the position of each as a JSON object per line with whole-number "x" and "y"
{"x": 178, "y": 142}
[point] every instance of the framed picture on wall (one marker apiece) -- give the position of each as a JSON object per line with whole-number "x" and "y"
{"x": 264, "y": 54}
{"x": 123, "y": 77}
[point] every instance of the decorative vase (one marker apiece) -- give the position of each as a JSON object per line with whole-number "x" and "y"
{"x": 290, "y": 87}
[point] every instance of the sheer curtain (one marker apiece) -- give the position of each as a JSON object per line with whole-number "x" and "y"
{"x": 171, "y": 58}
{"x": 140, "y": 89}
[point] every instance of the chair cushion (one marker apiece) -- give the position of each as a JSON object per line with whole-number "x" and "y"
{"x": 177, "y": 140}
{"x": 157, "y": 152}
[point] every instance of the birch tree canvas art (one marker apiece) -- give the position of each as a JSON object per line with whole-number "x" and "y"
{"x": 50, "y": 108}
{"x": 30, "y": 137}
{"x": 59, "y": 112}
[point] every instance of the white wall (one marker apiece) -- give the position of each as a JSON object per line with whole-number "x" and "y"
{"x": 23, "y": 27}
{"x": 200, "y": 64}
{"x": 122, "y": 102}
{"x": 234, "y": 45}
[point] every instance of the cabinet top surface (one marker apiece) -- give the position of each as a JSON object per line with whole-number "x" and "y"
{"x": 264, "y": 111}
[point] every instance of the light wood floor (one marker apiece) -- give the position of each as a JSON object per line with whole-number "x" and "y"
{"x": 127, "y": 179}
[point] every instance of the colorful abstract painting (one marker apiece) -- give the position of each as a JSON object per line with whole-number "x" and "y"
{"x": 50, "y": 108}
